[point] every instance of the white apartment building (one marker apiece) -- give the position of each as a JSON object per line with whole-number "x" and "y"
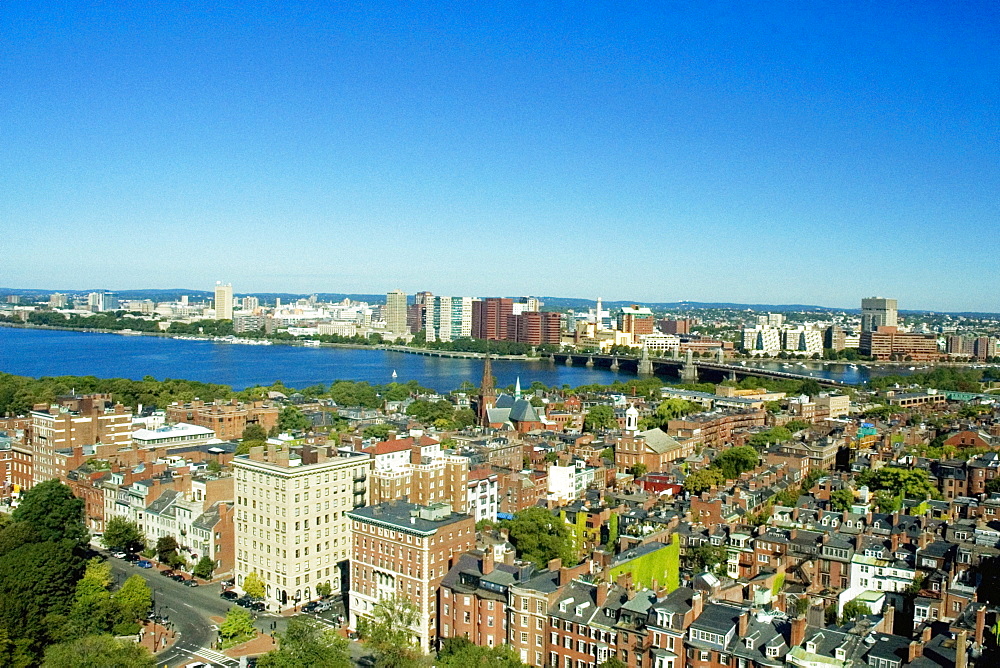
{"x": 803, "y": 341}
{"x": 761, "y": 339}
{"x": 291, "y": 524}
{"x": 876, "y": 571}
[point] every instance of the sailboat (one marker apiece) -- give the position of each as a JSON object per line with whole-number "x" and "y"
{"x": 394, "y": 375}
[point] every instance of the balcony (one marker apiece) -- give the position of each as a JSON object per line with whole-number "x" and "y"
{"x": 360, "y": 477}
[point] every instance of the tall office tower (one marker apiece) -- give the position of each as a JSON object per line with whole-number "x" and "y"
{"x": 95, "y": 301}
{"x": 251, "y": 303}
{"x": 461, "y": 317}
{"x": 291, "y": 541}
{"x": 877, "y": 312}
{"x": 598, "y": 316}
{"x": 438, "y": 319}
{"x": 489, "y": 317}
{"x": 422, "y": 297}
{"x": 636, "y": 320}
{"x": 395, "y": 312}
{"x": 58, "y": 300}
{"x": 223, "y": 301}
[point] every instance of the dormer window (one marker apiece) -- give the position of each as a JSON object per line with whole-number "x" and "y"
{"x": 748, "y": 642}
{"x": 772, "y": 651}
{"x": 811, "y": 647}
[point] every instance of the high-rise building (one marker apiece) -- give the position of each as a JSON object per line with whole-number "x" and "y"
{"x": 675, "y": 326}
{"x": 72, "y": 422}
{"x": 877, "y": 312}
{"x": 223, "y": 301}
{"x": 292, "y": 527}
{"x": 636, "y": 320}
{"x": 535, "y": 328}
{"x": 395, "y": 312}
{"x": 58, "y": 300}
{"x": 489, "y": 317}
{"x": 888, "y": 344}
{"x": 250, "y": 303}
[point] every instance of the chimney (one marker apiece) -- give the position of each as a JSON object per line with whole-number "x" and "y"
{"x": 602, "y": 594}
{"x": 894, "y": 541}
{"x": 798, "y": 631}
{"x": 915, "y": 649}
{"x": 961, "y": 653}
{"x": 564, "y": 575}
{"x": 555, "y": 564}
{"x": 923, "y": 540}
{"x": 744, "y": 623}
{"x": 888, "y": 619}
{"x": 487, "y": 561}
{"x": 980, "y": 625}
{"x": 697, "y": 605}
{"x": 925, "y": 635}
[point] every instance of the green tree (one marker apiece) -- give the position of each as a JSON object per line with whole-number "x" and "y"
{"x": 305, "y": 644}
{"x": 133, "y": 600}
{"x": 324, "y": 589}
{"x": 92, "y": 611}
{"x": 254, "y": 586}
{"x": 123, "y": 534}
{"x": 389, "y": 633}
{"x": 734, "y": 461}
{"x": 461, "y": 652}
{"x": 203, "y": 569}
{"x": 600, "y": 417}
{"x": 237, "y": 627}
{"x": 166, "y": 548}
{"x": 37, "y": 579}
{"x": 94, "y": 651}
{"x": 638, "y": 470}
{"x": 254, "y": 432}
{"x": 993, "y": 486}
{"x": 613, "y": 662}
{"x": 53, "y": 512}
{"x": 842, "y": 499}
{"x": 379, "y": 432}
{"x": 710, "y": 557}
{"x": 703, "y": 480}
{"x": 538, "y": 537}
{"x": 854, "y": 609}
{"x": 292, "y": 420}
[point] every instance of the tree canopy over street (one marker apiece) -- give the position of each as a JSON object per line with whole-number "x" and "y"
{"x": 539, "y": 537}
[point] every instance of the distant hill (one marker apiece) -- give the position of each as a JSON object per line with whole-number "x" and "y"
{"x": 554, "y": 303}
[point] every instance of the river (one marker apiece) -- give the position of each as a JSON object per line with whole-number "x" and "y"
{"x": 38, "y": 352}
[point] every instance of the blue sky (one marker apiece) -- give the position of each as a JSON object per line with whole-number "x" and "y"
{"x": 771, "y": 152}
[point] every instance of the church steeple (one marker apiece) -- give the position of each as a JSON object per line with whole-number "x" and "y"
{"x": 487, "y": 393}
{"x": 517, "y": 388}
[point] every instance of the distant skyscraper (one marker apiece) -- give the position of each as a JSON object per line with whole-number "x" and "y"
{"x": 877, "y": 312}
{"x": 223, "y": 301}
{"x": 489, "y": 317}
{"x": 58, "y": 300}
{"x": 251, "y": 303}
{"x": 395, "y": 312}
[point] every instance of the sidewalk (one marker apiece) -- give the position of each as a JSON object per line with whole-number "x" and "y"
{"x": 156, "y": 637}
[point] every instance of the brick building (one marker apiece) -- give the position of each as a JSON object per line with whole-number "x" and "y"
{"x": 405, "y": 550}
{"x": 227, "y": 420}
{"x": 490, "y": 317}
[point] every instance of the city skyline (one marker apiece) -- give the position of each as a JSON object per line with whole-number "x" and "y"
{"x": 726, "y": 153}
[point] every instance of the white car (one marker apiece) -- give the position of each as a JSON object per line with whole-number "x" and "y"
{"x": 118, "y": 554}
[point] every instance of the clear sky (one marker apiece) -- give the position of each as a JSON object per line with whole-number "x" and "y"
{"x": 775, "y": 152}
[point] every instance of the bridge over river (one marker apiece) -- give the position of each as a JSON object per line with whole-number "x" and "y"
{"x": 688, "y": 368}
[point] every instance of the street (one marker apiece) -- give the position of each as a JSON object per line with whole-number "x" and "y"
{"x": 188, "y": 610}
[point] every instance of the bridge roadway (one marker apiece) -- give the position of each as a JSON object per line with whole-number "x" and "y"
{"x": 631, "y": 362}
{"x": 430, "y": 352}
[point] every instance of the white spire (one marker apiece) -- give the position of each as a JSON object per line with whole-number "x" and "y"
{"x": 517, "y": 388}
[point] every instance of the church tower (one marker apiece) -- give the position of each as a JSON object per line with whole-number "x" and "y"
{"x": 487, "y": 393}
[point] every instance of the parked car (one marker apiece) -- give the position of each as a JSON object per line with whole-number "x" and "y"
{"x": 226, "y": 584}
{"x": 229, "y": 595}
{"x": 177, "y": 577}
{"x": 118, "y": 554}
{"x": 145, "y": 564}
{"x": 190, "y": 583}
{"x": 244, "y": 601}
{"x": 311, "y": 606}
{"x": 132, "y": 557}
{"x": 323, "y": 606}
{"x": 258, "y": 606}
{"x": 167, "y": 573}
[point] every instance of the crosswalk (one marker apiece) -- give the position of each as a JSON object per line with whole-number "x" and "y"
{"x": 216, "y": 657}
